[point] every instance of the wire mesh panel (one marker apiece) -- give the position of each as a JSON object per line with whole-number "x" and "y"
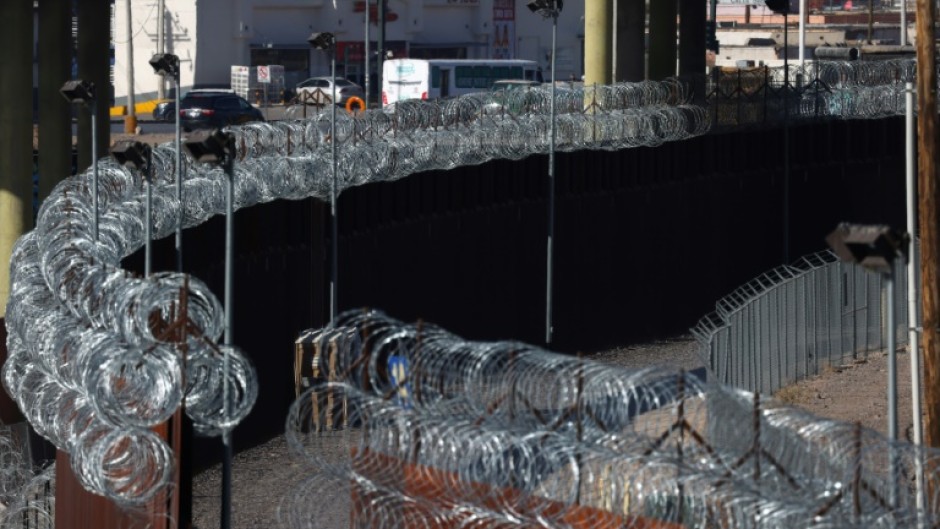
{"x": 792, "y": 322}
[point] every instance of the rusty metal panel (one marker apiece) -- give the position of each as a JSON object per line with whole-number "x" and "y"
{"x": 76, "y": 508}
{"x": 9, "y": 412}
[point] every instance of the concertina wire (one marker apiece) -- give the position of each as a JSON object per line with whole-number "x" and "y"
{"x": 417, "y": 424}
{"x": 86, "y": 364}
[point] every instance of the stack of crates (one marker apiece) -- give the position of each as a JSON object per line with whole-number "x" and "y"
{"x": 245, "y": 84}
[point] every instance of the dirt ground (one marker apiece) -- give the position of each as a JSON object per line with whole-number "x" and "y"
{"x": 857, "y": 392}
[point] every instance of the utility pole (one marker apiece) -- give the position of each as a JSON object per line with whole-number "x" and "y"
{"x": 927, "y": 191}
{"x": 161, "y": 46}
{"x": 380, "y": 49}
{"x": 130, "y": 121}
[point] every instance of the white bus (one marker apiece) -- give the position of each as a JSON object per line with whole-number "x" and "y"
{"x": 435, "y": 78}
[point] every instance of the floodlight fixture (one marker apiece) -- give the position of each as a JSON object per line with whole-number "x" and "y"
{"x": 780, "y": 7}
{"x": 133, "y": 154}
{"x": 165, "y": 64}
{"x": 874, "y": 247}
{"x": 546, "y": 8}
{"x": 210, "y": 146}
{"x": 322, "y": 41}
{"x": 78, "y": 91}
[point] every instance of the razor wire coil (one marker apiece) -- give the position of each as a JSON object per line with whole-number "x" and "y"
{"x": 86, "y": 349}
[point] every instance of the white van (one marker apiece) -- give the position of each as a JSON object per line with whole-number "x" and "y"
{"x": 436, "y": 78}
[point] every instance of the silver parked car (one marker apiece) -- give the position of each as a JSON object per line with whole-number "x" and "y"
{"x": 310, "y": 91}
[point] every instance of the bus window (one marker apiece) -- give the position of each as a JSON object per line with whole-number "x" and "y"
{"x": 515, "y": 72}
{"x": 502, "y": 72}
{"x": 464, "y": 76}
{"x": 481, "y": 77}
{"x": 435, "y": 77}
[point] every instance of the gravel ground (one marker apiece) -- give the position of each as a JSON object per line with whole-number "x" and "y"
{"x": 263, "y": 475}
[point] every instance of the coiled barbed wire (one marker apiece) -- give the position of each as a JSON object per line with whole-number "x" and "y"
{"x": 420, "y": 423}
{"x": 32, "y": 506}
{"x": 85, "y": 342}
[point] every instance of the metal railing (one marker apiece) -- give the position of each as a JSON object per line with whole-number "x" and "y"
{"x": 796, "y": 320}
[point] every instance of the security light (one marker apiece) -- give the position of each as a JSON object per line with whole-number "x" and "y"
{"x": 210, "y": 146}
{"x": 165, "y": 64}
{"x": 78, "y": 91}
{"x": 133, "y": 154}
{"x": 322, "y": 41}
{"x": 874, "y": 247}
{"x": 546, "y": 8}
{"x": 781, "y": 7}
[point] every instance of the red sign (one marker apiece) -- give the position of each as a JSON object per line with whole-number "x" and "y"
{"x": 359, "y": 6}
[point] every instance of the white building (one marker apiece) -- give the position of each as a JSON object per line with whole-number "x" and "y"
{"x": 210, "y": 36}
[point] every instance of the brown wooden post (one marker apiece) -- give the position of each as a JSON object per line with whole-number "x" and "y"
{"x": 927, "y": 190}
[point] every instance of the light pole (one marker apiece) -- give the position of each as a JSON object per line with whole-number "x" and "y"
{"x": 138, "y": 156}
{"x": 876, "y": 248}
{"x": 327, "y": 42}
{"x": 549, "y": 9}
{"x": 365, "y": 55}
{"x": 81, "y": 91}
{"x": 167, "y": 64}
{"x": 218, "y": 148}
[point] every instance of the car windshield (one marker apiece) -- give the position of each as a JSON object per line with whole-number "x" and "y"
{"x": 343, "y": 82}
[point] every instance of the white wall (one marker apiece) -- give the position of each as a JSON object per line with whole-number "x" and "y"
{"x": 180, "y": 38}
{"x": 212, "y": 35}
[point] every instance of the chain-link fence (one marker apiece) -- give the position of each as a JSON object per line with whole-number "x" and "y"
{"x": 795, "y": 320}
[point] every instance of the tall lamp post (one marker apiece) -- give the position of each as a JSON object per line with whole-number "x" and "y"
{"x": 138, "y": 156}
{"x": 81, "y": 91}
{"x": 549, "y": 9}
{"x": 218, "y": 148}
{"x": 168, "y": 65}
{"x": 327, "y": 42}
{"x": 876, "y": 248}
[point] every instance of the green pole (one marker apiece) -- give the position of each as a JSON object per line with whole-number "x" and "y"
{"x": 55, "y": 112}
{"x": 16, "y": 132}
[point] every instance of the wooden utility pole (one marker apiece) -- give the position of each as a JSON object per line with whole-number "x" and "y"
{"x": 927, "y": 191}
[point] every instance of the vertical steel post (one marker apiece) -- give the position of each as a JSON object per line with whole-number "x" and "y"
{"x": 802, "y": 32}
{"x": 148, "y": 219}
{"x": 333, "y": 258}
{"x": 130, "y": 121}
{"x": 786, "y": 143}
{"x": 94, "y": 162}
{"x": 892, "y": 383}
{"x": 226, "y": 361}
{"x": 365, "y": 55}
{"x": 551, "y": 190}
{"x": 903, "y": 33}
{"x": 179, "y": 178}
{"x": 912, "y": 313}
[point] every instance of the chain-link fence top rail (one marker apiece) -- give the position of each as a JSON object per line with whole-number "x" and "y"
{"x": 794, "y": 321}
{"x": 97, "y": 354}
{"x": 419, "y": 423}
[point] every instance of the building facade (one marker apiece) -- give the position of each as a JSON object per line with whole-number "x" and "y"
{"x": 210, "y": 36}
